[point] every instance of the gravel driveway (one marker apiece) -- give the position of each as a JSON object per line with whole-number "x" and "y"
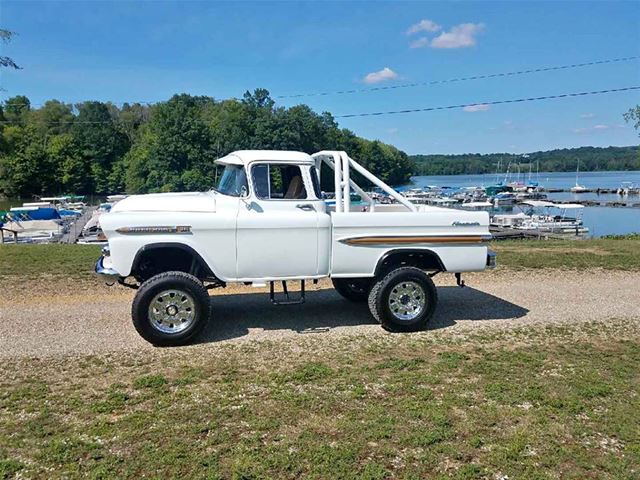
{"x": 57, "y": 320}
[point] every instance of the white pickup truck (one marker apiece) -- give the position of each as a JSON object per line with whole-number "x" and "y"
{"x": 267, "y": 221}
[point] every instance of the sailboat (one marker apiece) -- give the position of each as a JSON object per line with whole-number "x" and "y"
{"x": 578, "y": 188}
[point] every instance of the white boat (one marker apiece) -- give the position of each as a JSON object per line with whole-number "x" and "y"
{"x": 476, "y": 205}
{"x": 508, "y": 220}
{"x": 554, "y": 218}
{"x": 628, "y": 188}
{"x": 578, "y": 188}
{"x": 35, "y": 230}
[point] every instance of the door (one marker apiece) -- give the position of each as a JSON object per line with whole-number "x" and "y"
{"x": 277, "y": 229}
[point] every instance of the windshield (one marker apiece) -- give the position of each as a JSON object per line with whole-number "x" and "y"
{"x": 233, "y": 181}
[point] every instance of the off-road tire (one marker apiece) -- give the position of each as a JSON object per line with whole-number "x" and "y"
{"x": 353, "y": 289}
{"x": 382, "y": 289}
{"x": 170, "y": 281}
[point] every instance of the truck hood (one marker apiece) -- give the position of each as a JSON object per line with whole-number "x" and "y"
{"x": 168, "y": 202}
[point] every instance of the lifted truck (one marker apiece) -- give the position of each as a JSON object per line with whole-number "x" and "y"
{"x": 266, "y": 222}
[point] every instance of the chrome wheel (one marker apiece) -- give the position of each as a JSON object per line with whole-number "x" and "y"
{"x": 407, "y": 300}
{"x": 172, "y": 311}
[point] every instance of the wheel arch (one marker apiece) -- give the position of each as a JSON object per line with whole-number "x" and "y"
{"x": 422, "y": 258}
{"x": 175, "y": 256}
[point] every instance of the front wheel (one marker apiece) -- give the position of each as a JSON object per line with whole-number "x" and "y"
{"x": 170, "y": 308}
{"x": 404, "y": 300}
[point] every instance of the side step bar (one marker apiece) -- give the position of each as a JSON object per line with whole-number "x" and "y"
{"x": 288, "y": 300}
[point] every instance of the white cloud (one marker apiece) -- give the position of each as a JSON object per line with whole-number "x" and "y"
{"x": 383, "y": 75}
{"x": 424, "y": 26}
{"x": 419, "y": 43}
{"x": 392, "y": 130}
{"x": 460, "y": 36}
{"x": 481, "y": 107}
{"x": 595, "y": 128}
{"x": 587, "y": 115}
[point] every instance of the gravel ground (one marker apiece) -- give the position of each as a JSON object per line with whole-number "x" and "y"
{"x": 59, "y": 319}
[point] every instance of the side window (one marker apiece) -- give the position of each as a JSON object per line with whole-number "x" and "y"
{"x": 315, "y": 182}
{"x": 278, "y": 182}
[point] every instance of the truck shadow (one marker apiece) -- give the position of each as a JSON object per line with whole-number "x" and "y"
{"x": 234, "y": 315}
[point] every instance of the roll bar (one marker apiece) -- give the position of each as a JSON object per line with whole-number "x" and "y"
{"x": 340, "y": 163}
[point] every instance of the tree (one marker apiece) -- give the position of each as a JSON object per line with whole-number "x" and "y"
{"x": 176, "y": 149}
{"x": 96, "y": 147}
{"x": 5, "y": 37}
{"x": 53, "y": 118}
{"x": 100, "y": 142}
{"x": 633, "y": 115}
{"x": 16, "y": 109}
{"x": 25, "y": 166}
{"x": 73, "y": 172}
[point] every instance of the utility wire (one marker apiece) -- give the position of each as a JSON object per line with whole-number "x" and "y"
{"x": 411, "y": 110}
{"x": 406, "y": 85}
{"x": 461, "y": 79}
{"x": 494, "y": 102}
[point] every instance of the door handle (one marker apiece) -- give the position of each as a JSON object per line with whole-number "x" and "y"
{"x": 307, "y": 207}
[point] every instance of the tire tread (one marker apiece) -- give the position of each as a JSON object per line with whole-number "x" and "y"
{"x": 375, "y": 301}
{"x": 141, "y": 324}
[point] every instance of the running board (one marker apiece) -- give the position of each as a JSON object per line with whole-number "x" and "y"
{"x": 288, "y": 300}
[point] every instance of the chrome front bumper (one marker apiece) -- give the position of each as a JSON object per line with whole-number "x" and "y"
{"x": 107, "y": 273}
{"x": 492, "y": 259}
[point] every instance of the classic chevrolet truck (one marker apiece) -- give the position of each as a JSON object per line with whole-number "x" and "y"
{"x": 266, "y": 222}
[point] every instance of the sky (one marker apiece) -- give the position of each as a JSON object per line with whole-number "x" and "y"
{"x": 147, "y": 51}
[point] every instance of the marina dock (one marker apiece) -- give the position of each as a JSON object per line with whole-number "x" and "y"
{"x": 610, "y": 203}
{"x": 76, "y": 228}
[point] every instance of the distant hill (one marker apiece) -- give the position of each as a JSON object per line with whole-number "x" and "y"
{"x": 563, "y": 160}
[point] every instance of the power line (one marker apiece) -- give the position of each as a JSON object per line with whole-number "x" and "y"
{"x": 494, "y": 102}
{"x": 394, "y": 112}
{"x": 461, "y": 79}
{"x": 395, "y": 87}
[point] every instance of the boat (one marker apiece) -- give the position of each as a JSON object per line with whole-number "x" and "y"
{"x": 508, "y": 220}
{"x": 35, "y": 213}
{"x": 628, "y": 188}
{"x": 493, "y": 190}
{"x": 578, "y": 188}
{"x": 504, "y": 198}
{"x": 558, "y": 218}
{"x": 476, "y": 205}
{"x": 31, "y": 230}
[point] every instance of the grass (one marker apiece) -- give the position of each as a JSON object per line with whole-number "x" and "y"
{"x": 77, "y": 261}
{"x": 532, "y": 404}
{"x": 59, "y": 261}
{"x": 608, "y": 253}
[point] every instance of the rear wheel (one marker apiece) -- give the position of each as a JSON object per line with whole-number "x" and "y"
{"x": 404, "y": 300}
{"x": 354, "y": 289}
{"x": 170, "y": 308}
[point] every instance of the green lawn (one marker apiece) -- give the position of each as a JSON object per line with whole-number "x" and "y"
{"x": 51, "y": 260}
{"x": 615, "y": 254}
{"x": 527, "y": 404}
{"x": 618, "y": 254}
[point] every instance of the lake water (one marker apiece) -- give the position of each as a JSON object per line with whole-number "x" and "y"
{"x": 600, "y": 220}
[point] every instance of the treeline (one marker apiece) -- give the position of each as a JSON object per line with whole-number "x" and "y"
{"x": 99, "y": 148}
{"x": 562, "y": 160}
